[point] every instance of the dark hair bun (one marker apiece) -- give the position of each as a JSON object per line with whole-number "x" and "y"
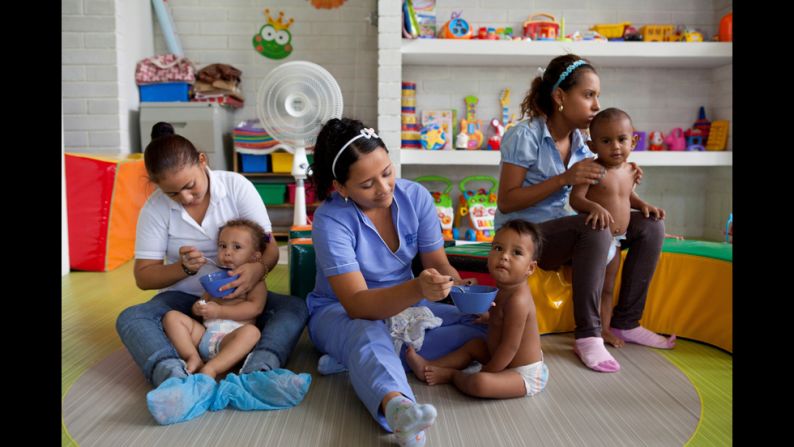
{"x": 162, "y": 129}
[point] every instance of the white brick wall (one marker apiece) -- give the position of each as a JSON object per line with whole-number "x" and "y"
{"x": 101, "y": 40}
{"x": 698, "y": 199}
{"x": 85, "y": 27}
{"x": 340, "y": 40}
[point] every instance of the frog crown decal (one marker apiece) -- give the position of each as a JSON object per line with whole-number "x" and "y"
{"x": 278, "y": 24}
{"x": 274, "y": 39}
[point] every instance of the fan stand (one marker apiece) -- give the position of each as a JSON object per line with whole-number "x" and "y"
{"x": 300, "y": 166}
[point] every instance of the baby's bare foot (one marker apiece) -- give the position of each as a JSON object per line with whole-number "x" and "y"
{"x": 193, "y": 364}
{"x": 612, "y": 339}
{"x": 437, "y": 375}
{"x": 416, "y": 362}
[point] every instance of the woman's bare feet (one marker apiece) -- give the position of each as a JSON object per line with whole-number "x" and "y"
{"x": 194, "y": 364}
{"x": 416, "y": 362}
{"x": 437, "y": 375}
{"x": 612, "y": 339}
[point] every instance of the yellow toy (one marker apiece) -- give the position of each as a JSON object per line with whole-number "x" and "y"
{"x": 718, "y": 136}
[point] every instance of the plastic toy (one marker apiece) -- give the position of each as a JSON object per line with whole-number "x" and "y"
{"x": 675, "y": 140}
{"x": 462, "y": 141}
{"x": 480, "y": 207}
{"x": 497, "y": 131}
{"x": 642, "y": 142}
{"x": 726, "y": 28}
{"x": 702, "y": 123}
{"x": 410, "y": 25}
{"x": 631, "y": 34}
{"x": 657, "y": 33}
{"x": 444, "y": 118}
{"x": 690, "y": 35}
{"x": 455, "y": 28}
{"x": 425, "y": 11}
{"x": 541, "y": 29}
{"x": 446, "y": 213}
{"x": 470, "y": 126}
{"x": 409, "y": 127}
{"x": 655, "y": 141}
{"x": 433, "y": 138}
{"x": 613, "y": 31}
{"x": 694, "y": 140}
{"x": 718, "y": 136}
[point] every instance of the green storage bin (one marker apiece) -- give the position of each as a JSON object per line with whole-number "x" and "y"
{"x": 272, "y": 193}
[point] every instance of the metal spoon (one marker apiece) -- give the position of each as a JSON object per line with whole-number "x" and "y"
{"x": 216, "y": 264}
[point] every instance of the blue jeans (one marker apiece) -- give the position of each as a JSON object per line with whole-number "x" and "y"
{"x": 140, "y": 328}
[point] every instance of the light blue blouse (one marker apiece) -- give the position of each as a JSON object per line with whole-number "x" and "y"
{"x": 530, "y": 145}
{"x": 345, "y": 240}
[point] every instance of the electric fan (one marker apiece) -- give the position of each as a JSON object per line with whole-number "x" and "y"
{"x": 293, "y": 102}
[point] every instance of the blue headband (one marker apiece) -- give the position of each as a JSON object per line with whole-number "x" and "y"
{"x": 567, "y": 72}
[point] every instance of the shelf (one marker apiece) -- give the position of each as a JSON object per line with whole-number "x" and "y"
{"x": 491, "y": 158}
{"x": 602, "y": 54}
{"x": 289, "y": 205}
{"x": 267, "y": 174}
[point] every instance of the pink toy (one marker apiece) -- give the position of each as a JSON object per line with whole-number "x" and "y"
{"x": 655, "y": 141}
{"x": 675, "y": 140}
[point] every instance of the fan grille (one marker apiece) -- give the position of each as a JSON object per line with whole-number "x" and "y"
{"x": 295, "y": 99}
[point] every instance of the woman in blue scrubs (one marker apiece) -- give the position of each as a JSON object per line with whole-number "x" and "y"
{"x": 365, "y": 235}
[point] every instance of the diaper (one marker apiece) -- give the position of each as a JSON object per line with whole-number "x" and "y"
{"x": 210, "y": 343}
{"x": 535, "y": 376}
{"x": 613, "y": 248}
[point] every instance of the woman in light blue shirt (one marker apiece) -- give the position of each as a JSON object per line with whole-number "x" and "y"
{"x": 365, "y": 235}
{"x": 542, "y": 158}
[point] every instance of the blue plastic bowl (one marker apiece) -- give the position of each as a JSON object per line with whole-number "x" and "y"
{"x": 473, "y": 299}
{"x": 215, "y": 280}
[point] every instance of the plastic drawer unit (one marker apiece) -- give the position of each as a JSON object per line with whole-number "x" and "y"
{"x": 208, "y": 126}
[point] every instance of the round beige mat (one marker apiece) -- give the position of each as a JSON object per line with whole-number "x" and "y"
{"x": 649, "y": 402}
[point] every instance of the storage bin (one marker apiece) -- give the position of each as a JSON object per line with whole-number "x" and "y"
{"x": 271, "y": 193}
{"x": 254, "y": 163}
{"x": 309, "y": 188}
{"x": 282, "y": 162}
{"x": 164, "y": 92}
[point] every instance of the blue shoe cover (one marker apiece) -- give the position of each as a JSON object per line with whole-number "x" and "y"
{"x": 180, "y": 399}
{"x": 328, "y": 365}
{"x": 262, "y": 390}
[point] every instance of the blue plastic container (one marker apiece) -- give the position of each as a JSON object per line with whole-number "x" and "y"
{"x": 254, "y": 163}
{"x": 473, "y": 299}
{"x": 165, "y": 92}
{"x": 215, "y": 280}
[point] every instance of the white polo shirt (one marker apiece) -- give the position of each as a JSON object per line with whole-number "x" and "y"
{"x": 164, "y": 225}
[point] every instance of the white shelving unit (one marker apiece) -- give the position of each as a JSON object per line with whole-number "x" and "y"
{"x": 604, "y": 54}
{"x": 661, "y": 83}
{"x": 450, "y": 52}
{"x": 491, "y": 158}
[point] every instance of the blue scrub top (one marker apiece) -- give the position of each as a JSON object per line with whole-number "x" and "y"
{"x": 529, "y": 144}
{"x": 345, "y": 240}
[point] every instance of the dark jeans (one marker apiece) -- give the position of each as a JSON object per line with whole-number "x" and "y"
{"x": 140, "y": 328}
{"x": 568, "y": 240}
